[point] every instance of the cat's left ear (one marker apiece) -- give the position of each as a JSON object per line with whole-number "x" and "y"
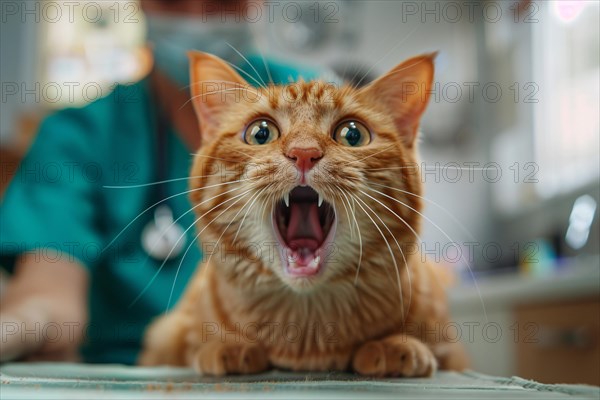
{"x": 404, "y": 92}
{"x": 213, "y": 82}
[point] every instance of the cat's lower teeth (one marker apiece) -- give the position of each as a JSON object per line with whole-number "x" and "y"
{"x": 303, "y": 220}
{"x": 313, "y": 263}
{"x": 303, "y": 266}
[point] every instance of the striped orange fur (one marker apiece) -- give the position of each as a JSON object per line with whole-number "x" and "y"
{"x": 379, "y": 311}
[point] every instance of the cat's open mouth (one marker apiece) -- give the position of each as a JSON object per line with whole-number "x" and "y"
{"x": 304, "y": 225}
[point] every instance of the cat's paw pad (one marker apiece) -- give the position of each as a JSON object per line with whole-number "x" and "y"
{"x": 395, "y": 356}
{"x": 230, "y": 358}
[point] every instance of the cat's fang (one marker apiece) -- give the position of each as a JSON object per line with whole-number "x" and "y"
{"x": 315, "y": 263}
{"x": 286, "y": 199}
{"x": 303, "y": 224}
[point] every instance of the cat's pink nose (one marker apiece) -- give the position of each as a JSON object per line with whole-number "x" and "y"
{"x": 305, "y": 158}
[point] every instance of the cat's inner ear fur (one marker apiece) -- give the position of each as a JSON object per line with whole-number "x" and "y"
{"x": 404, "y": 94}
{"x": 213, "y": 87}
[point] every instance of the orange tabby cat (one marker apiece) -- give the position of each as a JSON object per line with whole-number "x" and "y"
{"x": 305, "y": 197}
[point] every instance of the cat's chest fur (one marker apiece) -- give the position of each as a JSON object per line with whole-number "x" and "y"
{"x": 315, "y": 330}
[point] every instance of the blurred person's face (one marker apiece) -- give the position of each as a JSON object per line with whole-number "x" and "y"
{"x": 176, "y": 26}
{"x": 191, "y": 7}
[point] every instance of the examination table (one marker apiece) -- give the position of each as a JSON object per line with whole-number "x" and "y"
{"x": 94, "y": 382}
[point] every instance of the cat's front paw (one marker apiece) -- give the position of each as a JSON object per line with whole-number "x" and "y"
{"x": 398, "y": 355}
{"x": 220, "y": 359}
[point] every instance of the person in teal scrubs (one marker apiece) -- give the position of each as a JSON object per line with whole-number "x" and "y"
{"x": 73, "y": 215}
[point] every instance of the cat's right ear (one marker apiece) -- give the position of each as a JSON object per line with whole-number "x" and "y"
{"x": 211, "y": 81}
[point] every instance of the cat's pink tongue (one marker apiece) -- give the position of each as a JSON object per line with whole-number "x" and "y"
{"x": 304, "y": 236}
{"x": 304, "y": 229}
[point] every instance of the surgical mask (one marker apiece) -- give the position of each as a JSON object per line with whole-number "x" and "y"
{"x": 173, "y": 36}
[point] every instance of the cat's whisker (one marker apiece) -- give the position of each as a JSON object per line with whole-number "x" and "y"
{"x": 214, "y": 158}
{"x": 399, "y": 247}
{"x": 248, "y": 62}
{"x": 355, "y": 75}
{"x": 270, "y": 200}
{"x": 420, "y": 240}
{"x": 372, "y": 155}
{"x": 254, "y": 196}
{"x": 139, "y": 296}
{"x": 262, "y": 56}
{"x": 192, "y": 209}
{"x": 155, "y": 183}
{"x": 452, "y": 167}
{"x": 249, "y": 89}
{"x": 405, "y": 68}
{"x": 399, "y": 217}
{"x": 213, "y": 92}
{"x": 401, "y": 253}
{"x": 445, "y": 210}
{"x": 248, "y": 86}
{"x": 350, "y": 210}
{"x": 264, "y": 206}
{"x": 165, "y": 199}
{"x": 388, "y": 246}
{"x": 449, "y": 239}
{"x": 392, "y": 168}
{"x": 384, "y": 56}
{"x": 360, "y": 243}
{"x": 348, "y": 216}
{"x": 241, "y": 71}
{"x": 247, "y": 211}
{"x": 198, "y": 235}
{"x": 229, "y": 224}
{"x": 247, "y": 155}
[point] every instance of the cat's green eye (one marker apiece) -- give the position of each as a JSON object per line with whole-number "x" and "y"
{"x": 261, "y": 132}
{"x": 352, "y": 134}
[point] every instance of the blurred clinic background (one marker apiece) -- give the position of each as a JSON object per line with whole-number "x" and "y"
{"x": 510, "y": 142}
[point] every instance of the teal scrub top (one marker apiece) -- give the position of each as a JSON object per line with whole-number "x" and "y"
{"x": 58, "y": 205}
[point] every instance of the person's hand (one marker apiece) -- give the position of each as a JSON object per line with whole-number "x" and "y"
{"x": 21, "y": 329}
{"x": 43, "y": 312}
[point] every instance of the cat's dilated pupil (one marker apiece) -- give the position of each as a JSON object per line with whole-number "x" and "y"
{"x": 262, "y": 135}
{"x": 353, "y": 136}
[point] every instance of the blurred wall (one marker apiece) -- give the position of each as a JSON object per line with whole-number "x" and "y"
{"x": 18, "y": 44}
{"x": 369, "y": 38}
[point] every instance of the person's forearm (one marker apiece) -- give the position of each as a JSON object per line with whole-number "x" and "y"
{"x": 44, "y": 309}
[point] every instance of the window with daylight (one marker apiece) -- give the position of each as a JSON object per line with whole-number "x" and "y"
{"x": 566, "y": 123}
{"x": 88, "y": 47}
